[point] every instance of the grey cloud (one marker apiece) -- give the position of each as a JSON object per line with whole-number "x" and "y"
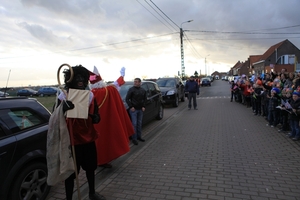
{"x": 44, "y": 35}
{"x": 79, "y": 9}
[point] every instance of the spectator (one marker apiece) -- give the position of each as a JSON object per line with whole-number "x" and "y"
{"x": 273, "y": 103}
{"x": 289, "y": 81}
{"x": 192, "y": 88}
{"x": 233, "y": 89}
{"x": 294, "y": 116}
{"x": 286, "y": 98}
{"x": 136, "y": 99}
{"x": 246, "y": 88}
{"x": 257, "y": 97}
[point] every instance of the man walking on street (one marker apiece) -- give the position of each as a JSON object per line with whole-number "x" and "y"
{"x": 136, "y": 100}
{"x": 192, "y": 88}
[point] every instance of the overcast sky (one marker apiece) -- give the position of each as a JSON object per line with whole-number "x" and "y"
{"x": 37, "y": 36}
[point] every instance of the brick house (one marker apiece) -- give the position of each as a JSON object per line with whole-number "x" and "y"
{"x": 279, "y": 56}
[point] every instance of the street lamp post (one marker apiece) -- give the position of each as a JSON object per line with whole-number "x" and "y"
{"x": 181, "y": 49}
{"x": 206, "y": 71}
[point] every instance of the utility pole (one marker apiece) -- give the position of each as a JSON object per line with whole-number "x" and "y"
{"x": 182, "y": 54}
{"x": 181, "y": 50}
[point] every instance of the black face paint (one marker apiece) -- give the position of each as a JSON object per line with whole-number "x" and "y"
{"x": 80, "y": 78}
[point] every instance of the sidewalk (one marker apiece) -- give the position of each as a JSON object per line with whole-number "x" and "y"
{"x": 221, "y": 151}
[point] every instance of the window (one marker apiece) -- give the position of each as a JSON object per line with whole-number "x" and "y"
{"x": 19, "y": 119}
{"x": 146, "y": 88}
{"x": 151, "y": 89}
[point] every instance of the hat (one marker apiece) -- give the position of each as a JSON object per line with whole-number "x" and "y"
{"x": 276, "y": 90}
{"x": 243, "y": 75}
{"x": 296, "y": 93}
{"x": 259, "y": 82}
{"x": 192, "y": 76}
{"x": 95, "y": 76}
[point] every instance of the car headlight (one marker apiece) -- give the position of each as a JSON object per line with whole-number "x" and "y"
{"x": 171, "y": 92}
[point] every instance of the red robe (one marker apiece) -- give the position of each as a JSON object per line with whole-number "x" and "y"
{"x": 115, "y": 126}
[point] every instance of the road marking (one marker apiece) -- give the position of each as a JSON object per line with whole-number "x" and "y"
{"x": 215, "y": 97}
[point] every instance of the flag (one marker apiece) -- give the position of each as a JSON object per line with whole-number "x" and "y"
{"x": 286, "y": 104}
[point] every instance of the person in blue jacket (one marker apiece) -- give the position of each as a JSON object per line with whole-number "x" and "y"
{"x": 192, "y": 88}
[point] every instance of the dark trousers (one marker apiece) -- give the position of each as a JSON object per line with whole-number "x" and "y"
{"x": 192, "y": 96}
{"x": 258, "y": 107}
{"x": 273, "y": 117}
{"x": 86, "y": 157}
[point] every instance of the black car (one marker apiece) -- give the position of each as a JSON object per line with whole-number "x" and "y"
{"x": 154, "y": 106}
{"x": 27, "y": 92}
{"x": 47, "y": 91}
{"x": 172, "y": 90}
{"x": 205, "y": 82}
{"x": 23, "y": 137}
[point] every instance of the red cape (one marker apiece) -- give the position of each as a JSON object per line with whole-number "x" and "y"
{"x": 115, "y": 126}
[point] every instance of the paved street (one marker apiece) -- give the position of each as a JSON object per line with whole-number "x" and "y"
{"x": 220, "y": 151}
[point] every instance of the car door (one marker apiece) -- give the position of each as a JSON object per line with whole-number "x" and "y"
{"x": 153, "y": 98}
{"x": 8, "y": 144}
{"x": 147, "y": 112}
{"x": 180, "y": 89}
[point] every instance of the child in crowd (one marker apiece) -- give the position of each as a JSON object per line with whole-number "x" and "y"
{"x": 273, "y": 111}
{"x": 257, "y": 97}
{"x": 285, "y": 103}
{"x": 294, "y": 116}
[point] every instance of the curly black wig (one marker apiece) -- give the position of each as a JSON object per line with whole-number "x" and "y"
{"x": 78, "y": 70}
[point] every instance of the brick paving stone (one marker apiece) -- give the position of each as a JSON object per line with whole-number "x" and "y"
{"x": 221, "y": 151}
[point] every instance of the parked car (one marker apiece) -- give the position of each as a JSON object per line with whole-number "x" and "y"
{"x": 210, "y": 78}
{"x": 3, "y": 94}
{"x": 27, "y": 92}
{"x": 172, "y": 90}
{"x": 154, "y": 105}
{"x": 47, "y": 91}
{"x": 186, "y": 94}
{"x": 23, "y": 137}
{"x": 205, "y": 82}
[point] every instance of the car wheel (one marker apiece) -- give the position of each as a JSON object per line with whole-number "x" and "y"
{"x": 160, "y": 113}
{"x": 41, "y": 95}
{"x": 31, "y": 183}
{"x": 176, "y": 102}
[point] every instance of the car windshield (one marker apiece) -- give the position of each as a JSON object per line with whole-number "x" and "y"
{"x": 124, "y": 89}
{"x": 166, "y": 83}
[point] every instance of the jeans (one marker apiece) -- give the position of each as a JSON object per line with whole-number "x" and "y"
{"x": 295, "y": 129}
{"x": 192, "y": 96}
{"x": 136, "y": 119}
{"x": 273, "y": 117}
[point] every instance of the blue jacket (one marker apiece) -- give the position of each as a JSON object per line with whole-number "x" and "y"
{"x": 192, "y": 87}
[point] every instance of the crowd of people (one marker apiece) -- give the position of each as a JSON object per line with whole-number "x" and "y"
{"x": 274, "y": 96}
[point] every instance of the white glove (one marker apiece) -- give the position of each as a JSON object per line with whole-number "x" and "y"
{"x": 122, "y": 72}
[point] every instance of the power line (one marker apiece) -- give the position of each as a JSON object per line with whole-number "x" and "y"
{"x": 93, "y": 47}
{"x": 237, "y": 32}
{"x": 154, "y": 15}
{"x": 192, "y": 45}
{"x": 159, "y": 14}
{"x": 164, "y": 13}
{"x": 278, "y": 28}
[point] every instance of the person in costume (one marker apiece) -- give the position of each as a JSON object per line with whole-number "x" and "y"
{"x": 115, "y": 126}
{"x": 82, "y": 132}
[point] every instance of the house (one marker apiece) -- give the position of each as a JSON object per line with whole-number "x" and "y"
{"x": 235, "y": 69}
{"x": 279, "y": 56}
